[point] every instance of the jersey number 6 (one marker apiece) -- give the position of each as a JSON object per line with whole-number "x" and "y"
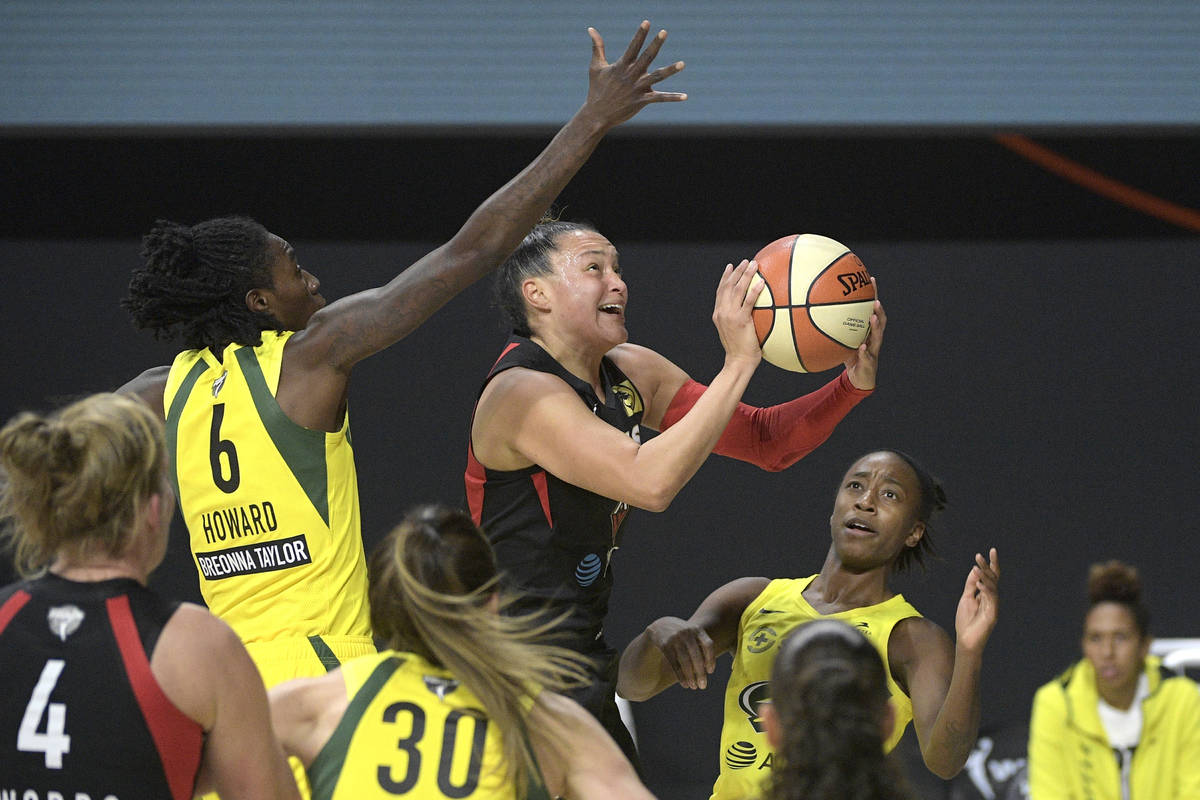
{"x": 217, "y": 446}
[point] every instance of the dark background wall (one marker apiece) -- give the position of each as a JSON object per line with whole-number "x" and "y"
{"x": 1040, "y": 353}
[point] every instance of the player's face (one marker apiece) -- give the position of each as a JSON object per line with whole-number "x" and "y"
{"x": 586, "y": 292}
{"x": 294, "y": 294}
{"x": 1117, "y": 650}
{"x": 875, "y": 512}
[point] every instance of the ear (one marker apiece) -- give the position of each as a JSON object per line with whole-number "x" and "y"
{"x": 918, "y": 531}
{"x": 774, "y": 728}
{"x": 535, "y": 294}
{"x": 258, "y": 301}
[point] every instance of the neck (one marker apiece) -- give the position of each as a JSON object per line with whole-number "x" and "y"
{"x": 580, "y": 363}
{"x": 838, "y": 588}
{"x": 1120, "y": 697}
{"x": 99, "y": 568}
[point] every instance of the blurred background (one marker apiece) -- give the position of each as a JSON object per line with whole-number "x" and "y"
{"x": 1019, "y": 176}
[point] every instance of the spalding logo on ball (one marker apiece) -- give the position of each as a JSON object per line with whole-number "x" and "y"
{"x": 816, "y": 307}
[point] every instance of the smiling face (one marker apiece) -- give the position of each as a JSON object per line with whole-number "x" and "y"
{"x": 583, "y": 298}
{"x": 875, "y": 513}
{"x": 1117, "y": 650}
{"x": 293, "y": 296}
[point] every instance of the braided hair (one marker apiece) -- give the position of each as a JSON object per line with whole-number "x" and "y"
{"x": 193, "y": 282}
{"x": 829, "y": 692}
{"x": 933, "y": 500}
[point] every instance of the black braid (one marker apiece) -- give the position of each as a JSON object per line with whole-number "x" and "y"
{"x": 193, "y": 282}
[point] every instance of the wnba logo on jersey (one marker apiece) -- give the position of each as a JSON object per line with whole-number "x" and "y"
{"x": 588, "y": 569}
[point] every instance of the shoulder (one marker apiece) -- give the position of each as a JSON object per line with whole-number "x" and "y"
{"x": 149, "y": 386}
{"x": 916, "y": 640}
{"x": 195, "y": 630}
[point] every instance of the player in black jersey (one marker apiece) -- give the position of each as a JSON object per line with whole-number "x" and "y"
{"x": 110, "y": 690}
{"x": 556, "y": 456}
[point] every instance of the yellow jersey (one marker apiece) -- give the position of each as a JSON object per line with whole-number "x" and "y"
{"x": 746, "y": 757}
{"x": 411, "y": 729}
{"x": 271, "y": 507}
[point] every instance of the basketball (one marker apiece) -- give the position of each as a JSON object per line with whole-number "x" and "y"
{"x": 817, "y": 304}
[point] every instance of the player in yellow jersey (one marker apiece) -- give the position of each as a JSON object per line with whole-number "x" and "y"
{"x": 881, "y": 521}
{"x": 256, "y": 405}
{"x": 463, "y": 703}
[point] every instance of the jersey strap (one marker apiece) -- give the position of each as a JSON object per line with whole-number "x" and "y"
{"x": 326, "y": 768}
{"x": 11, "y": 607}
{"x": 175, "y": 734}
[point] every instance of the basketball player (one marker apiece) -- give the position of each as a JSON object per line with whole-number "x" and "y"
{"x": 829, "y": 716}
{"x": 256, "y": 406}
{"x": 463, "y": 702}
{"x": 881, "y": 521}
{"x": 112, "y": 691}
{"x": 556, "y": 456}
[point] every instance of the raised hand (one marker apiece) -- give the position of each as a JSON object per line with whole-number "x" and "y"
{"x": 740, "y": 286}
{"x": 619, "y": 90}
{"x": 863, "y": 363}
{"x": 979, "y": 604}
{"x": 687, "y": 648}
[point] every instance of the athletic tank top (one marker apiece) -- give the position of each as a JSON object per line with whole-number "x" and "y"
{"x": 271, "y": 507}
{"x": 746, "y": 757}
{"x": 76, "y": 664}
{"x": 554, "y": 540}
{"x": 411, "y": 729}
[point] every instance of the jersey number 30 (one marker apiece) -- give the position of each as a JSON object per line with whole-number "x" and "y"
{"x": 449, "y": 735}
{"x": 54, "y": 742}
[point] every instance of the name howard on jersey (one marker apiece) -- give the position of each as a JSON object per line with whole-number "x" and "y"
{"x": 32, "y": 794}
{"x": 238, "y": 521}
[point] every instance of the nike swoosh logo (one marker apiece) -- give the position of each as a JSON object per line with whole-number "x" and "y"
{"x": 769, "y": 611}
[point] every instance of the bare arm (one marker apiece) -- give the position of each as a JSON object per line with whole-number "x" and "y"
{"x": 318, "y": 359}
{"x": 150, "y": 386}
{"x": 205, "y": 671}
{"x": 578, "y": 758}
{"x": 672, "y": 650}
{"x": 943, "y": 678}
{"x": 305, "y": 712}
{"x": 524, "y": 417}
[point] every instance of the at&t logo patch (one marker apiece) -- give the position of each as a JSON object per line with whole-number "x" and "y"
{"x": 588, "y": 569}
{"x": 740, "y": 755}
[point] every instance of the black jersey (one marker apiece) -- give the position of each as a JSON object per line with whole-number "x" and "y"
{"x": 553, "y": 540}
{"x": 84, "y": 715}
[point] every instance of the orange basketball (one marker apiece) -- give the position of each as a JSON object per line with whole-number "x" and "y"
{"x": 816, "y": 307}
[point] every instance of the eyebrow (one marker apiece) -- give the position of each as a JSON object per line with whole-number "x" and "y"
{"x": 887, "y": 478}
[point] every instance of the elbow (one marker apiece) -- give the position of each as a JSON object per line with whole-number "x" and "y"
{"x": 656, "y": 498}
{"x": 945, "y": 768}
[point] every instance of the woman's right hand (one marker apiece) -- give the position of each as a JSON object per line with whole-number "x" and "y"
{"x": 740, "y": 286}
{"x": 687, "y": 648}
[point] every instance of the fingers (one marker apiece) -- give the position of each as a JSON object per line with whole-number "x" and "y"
{"x": 635, "y": 45}
{"x": 647, "y": 56}
{"x": 598, "y": 59}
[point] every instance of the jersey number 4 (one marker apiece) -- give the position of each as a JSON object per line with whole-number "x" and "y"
{"x": 54, "y": 742}
{"x": 218, "y": 446}
{"x": 449, "y": 735}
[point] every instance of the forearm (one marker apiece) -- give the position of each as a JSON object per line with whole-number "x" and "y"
{"x": 956, "y": 726}
{"x": 644, "y": 671}
{"x": 775, "y": 437}
{"x": 664, "y": 465}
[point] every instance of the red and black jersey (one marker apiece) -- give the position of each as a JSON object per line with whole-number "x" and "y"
{"x": 553, "y": 540}
{"x": 83, "y": 713}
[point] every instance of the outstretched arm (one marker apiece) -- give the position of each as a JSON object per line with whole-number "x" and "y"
{"x": 346, "y": 331}
{"x": 577, "y": 757}
{"x": 943, "y": 679}
{"x": 672, "y": 650}
{"x": 149, "y": 386}
{"x": 776, "y": 437}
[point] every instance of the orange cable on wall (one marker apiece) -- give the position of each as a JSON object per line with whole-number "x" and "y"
{"x": 1101, "y": 184}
